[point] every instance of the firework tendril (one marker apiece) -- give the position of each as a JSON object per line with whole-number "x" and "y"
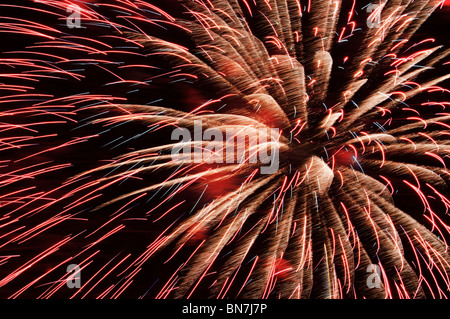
{"x": 87, "y": 174}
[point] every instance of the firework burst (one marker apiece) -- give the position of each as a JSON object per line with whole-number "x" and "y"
{"x": 92, "y": 92}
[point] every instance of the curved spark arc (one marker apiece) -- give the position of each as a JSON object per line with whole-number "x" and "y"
{"x": 309, "y": 230}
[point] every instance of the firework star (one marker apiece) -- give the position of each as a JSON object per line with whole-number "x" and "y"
{"x": 91, "y": 93}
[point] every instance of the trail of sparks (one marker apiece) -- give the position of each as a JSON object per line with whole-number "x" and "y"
{"x": 84, "y": 121}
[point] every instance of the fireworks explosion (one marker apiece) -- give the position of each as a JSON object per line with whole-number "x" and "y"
{"x": 92, "y": 92}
